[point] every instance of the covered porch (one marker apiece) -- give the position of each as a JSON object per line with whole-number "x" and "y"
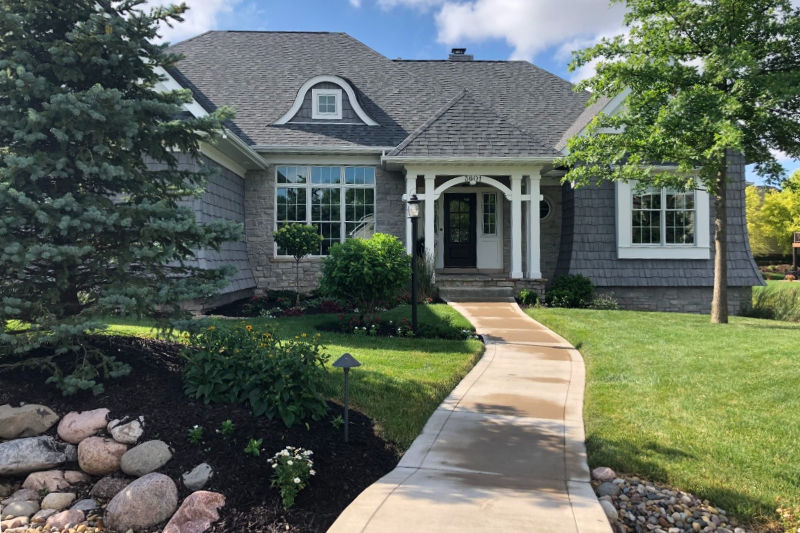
{"x": 478, "y": 222}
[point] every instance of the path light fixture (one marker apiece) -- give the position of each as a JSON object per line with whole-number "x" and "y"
{"x": 413, "y": 214}
{"x": 346, "y": 362}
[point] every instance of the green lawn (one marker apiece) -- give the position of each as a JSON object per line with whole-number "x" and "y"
{"x": 401, "y": 380}
{"x": 711, "y": 409}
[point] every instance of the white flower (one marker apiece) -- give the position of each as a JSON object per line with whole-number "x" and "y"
{"x": 285, "y": 453}
{"x": 274, "y": 465}
{"x": 296, "y": 480}
{"x": 312, "y": 472}
{"x": 290, "y": 462}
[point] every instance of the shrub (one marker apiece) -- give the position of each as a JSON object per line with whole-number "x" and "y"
{"x": 298, "y": 240}
{"x": 272, "y": 377}
{"x": 570, "y": 290}
{"x": 366, "y": 271}
{"x": 790, "y": 277}
{"x": 776, "y": 302}
{"x": 291, "y": 469}
{"x": 425, "y": 285}
{"x": 528, "y": 297}
{"x": 604, "y": 302}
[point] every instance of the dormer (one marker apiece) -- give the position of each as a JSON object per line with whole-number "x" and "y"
{"x": 326, "y": 100}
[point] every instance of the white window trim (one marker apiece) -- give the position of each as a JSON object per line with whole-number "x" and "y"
{"x": 627, "y": 250}
{"x": 315, "y": 112}
{"x": 307, "y": 186}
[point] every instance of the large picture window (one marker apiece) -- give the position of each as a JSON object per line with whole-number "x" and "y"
{"x": 338, "y": 201}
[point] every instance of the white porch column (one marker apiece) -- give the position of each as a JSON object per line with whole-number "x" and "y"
{"x": 430, "y": 230}
{"x": 516, "y": 226}
{"x": 534, "y": 230}
{"x": 411, "y": 188}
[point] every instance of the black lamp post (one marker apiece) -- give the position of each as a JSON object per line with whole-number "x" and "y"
{"x": 346, "y": 362}
{"x": 413, "y": 214}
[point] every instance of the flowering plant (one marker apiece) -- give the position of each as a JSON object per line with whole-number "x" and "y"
{"x": 291, "y": 469}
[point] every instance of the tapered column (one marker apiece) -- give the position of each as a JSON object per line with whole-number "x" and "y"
{"x": 430, "y": 228}
{"x": 411, "y": 188}
{"x": 534, "y": 230}
{"x": 516, "y": 226}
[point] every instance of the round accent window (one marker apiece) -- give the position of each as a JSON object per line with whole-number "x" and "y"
{"x": 544, "y": 208}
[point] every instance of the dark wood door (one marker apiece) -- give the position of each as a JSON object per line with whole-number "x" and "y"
{"x": 459, "y": 231}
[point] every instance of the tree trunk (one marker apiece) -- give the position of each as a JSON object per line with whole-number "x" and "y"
{"x": 719, "y": 300}
{"x": 297, "y": 283}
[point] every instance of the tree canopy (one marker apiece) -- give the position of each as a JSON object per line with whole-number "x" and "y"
{"x": 773, "y": 215}
{"x": 91, "y": 219}
{"x": 697, "y": 79}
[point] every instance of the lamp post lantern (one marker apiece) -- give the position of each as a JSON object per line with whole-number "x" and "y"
{"x": 346, "y": 362}
{"x": 413, "y": 214}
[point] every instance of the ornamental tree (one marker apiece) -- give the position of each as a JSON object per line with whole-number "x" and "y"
{"x": 90, "y": 187}
{"x": 699, "y": 79}
{"x": 298, "y": 240}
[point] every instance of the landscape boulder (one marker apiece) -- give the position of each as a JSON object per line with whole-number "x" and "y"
{"x": 145, "y": 458}
{"x": 21, "y": 456}
{"x": 76, "y": 426}
{"x": 65, "y": 519}
{"x": 149, "y": 500}
{"x": 126, "y": 432}
{"x": 21, "y": 508}
{"x": 85, "y": 505}
{"x": 197, "y": 512}
{"x": 99, "y": 455}
{"x": 58, "y": 500}
{"x": 603, "y": 473}
{"x": 27, "y": 420}
{"x": 53, "y": 480}
{"x": 197, "y": 478}
{"x": 108, "y": 487}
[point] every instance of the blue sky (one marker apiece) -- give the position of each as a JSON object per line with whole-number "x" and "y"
{"x": 541, "y": 31}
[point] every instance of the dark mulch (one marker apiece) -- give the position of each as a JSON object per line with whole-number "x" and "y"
{"x": 154, "y": 389}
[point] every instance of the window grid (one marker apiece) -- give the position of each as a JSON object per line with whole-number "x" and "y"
{"x": 326, "y": 104}
{"x": 318, "y": 201}
{"x": 662, "y": 216}
{"x": 489, "y": 214}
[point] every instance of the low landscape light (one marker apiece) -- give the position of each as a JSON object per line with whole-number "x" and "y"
{"x": 346, "y": 362}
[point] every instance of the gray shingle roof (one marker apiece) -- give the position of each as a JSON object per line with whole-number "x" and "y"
{"x": 466, "y": 127}
{"x": 259, "y": 74}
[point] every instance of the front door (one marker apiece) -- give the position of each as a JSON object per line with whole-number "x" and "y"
{"x": 459, "y": 231}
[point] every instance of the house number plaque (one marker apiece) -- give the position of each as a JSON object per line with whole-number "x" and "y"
{"x": 472, "y": 180}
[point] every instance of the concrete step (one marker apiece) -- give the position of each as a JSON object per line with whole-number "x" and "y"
{"x": 476, "y": 294}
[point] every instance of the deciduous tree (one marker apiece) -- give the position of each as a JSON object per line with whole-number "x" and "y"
{"x": 699, "y": 79}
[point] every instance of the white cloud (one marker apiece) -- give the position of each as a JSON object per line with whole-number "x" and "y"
{"x": 422, "y": 5}
{"x": 201, "y": 17}
{"x": 355, "y": 3}
{"x": 529, "y": 26}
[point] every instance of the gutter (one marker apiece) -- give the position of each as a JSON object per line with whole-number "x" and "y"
{"x": 321, "y": 149}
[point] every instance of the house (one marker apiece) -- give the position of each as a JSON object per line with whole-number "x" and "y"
{"x": 329, "y": 132}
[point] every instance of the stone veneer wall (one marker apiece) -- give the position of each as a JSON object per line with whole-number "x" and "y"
{"x": 678, "y": 299}
{"x": 271, "y": 272}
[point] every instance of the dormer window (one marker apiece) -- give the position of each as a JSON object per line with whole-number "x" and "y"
{"x": 327, "y": 103}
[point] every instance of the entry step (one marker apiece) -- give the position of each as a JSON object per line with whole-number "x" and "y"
{"x": 476, "y": 294}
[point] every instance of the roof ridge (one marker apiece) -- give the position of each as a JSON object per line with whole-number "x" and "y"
{"x": 427, "y": 124}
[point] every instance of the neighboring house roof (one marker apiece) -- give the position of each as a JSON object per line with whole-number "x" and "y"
{"x": 582, "y": 121}
{"x": 465, "y": 127}
{"x": 260, "y": 73}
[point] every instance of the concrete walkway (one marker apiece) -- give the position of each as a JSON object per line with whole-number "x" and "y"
{"x": 504, "y": 452}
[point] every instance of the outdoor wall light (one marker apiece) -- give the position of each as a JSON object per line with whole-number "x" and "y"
{"x": 346, "y": 362}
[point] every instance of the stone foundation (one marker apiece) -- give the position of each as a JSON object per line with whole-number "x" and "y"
{"x": 678, "y": 299}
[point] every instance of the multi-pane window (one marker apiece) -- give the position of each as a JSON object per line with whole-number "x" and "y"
{"x": 326, "y": 104}
{"x": 663, "y": 216}
{"x": 338, "y": 201}
{"x": 489, "y": 213}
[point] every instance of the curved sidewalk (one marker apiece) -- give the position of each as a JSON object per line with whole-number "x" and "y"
{"x": 504, "y": 452}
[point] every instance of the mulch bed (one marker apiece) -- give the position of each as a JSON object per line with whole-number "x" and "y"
{"x": 154, "y": 389}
